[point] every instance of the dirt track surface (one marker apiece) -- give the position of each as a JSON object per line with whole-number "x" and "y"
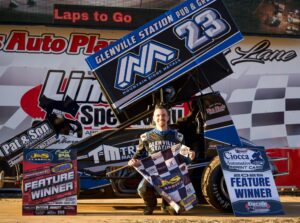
{"x": 129, "y": 211}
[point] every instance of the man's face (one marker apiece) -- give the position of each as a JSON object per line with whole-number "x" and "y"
{"x": 161, "y": 118}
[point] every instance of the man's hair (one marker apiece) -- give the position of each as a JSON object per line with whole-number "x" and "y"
{"x": 161, "y": 106}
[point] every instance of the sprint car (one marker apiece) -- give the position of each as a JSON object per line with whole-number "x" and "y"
{"x": 207, "y": 125}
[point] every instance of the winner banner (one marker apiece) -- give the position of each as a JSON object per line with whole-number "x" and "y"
{"x": 168, "y": 173}
{"x": 49, "y": 182}
{"x": 163, "y": 50}
{"x": 249, "y": 181}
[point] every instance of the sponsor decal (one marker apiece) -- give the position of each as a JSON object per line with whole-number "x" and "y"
{"x": 156, "y": 155}
{"x": 41, "y": 212}
{"x": 189, "y": 200}
{"x": 144, "y": 64}
{"x": 63, "y": 154}
{"x": 257, "y": 159}
{"x": 243, "y": 159}
{"x": 171, "y": 163}
{"x": 47, "y": 142}
{"x": 215, "y": 108}
{"x": 64, "y": 167}
{"x": 55, "y": 207}
{"x": 51, "y": 212}
{"x": 152, "y": 170}
{"x": 160, "y": 145}
{"x": 29, "y": 208}
{"x": 106, "y": 153}
{"x": 36, "y": 136}
{"x": 69, "y": 208}
{"x": 172, "y": 183}
{"x": 257, "y": 206}
{"x": 36, "y": 173}
{"x": 66, "y": 140}
{"x": 42, "y": 207}
{"x": 26, "y": 139}
{"x": 39, "y": 156}
{"x": 61, "y": 212}
{"x": 261, "y": 53}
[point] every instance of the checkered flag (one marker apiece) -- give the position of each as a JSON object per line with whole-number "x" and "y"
{"x": 168, "y": 173}
{"x": 265, "y": 108}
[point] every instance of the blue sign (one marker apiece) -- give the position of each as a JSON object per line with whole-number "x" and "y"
{"x": 249, "y": 181}
{"x": 162, "y": 50}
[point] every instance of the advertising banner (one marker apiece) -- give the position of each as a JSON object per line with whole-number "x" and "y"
{"x": 249, "y": 181}
{"x": 168, "y": 173}
{"x": 49, "y": 182}
{"x": 163, "y": 50}
{"x": 39, "y": 136}
{"x": 262, "y": 94}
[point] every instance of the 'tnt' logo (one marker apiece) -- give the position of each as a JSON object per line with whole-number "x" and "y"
{"x": 143, "y": 64}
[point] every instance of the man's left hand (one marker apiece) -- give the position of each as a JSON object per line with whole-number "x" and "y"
{"x": 192, "y": 155}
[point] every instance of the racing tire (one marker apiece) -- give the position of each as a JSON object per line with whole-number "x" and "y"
{"x": 214, "y": 188}
{"x": 2, "y": 174}
{"x": 7, "y": 171}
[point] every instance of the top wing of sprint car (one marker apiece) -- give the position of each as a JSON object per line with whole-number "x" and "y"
{"x": 132, "y": 70}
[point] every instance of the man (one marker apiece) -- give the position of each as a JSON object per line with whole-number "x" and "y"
{"x": 158, "y": 139}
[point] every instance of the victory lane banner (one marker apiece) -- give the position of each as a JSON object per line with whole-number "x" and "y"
{"x": 49, "y": 182}
{"x": 249, "y": 181}
{"x": 162, "y": 50}
{"x": 39, "y": 136}
{"x": 168, "y": 173}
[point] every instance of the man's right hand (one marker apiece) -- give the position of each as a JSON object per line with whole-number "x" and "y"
{"x": 134, "y": 162}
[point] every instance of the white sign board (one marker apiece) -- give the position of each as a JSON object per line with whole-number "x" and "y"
{"x": 249, "y": 181}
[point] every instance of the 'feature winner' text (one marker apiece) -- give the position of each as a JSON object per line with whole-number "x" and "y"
{"x": 50, "y": 186}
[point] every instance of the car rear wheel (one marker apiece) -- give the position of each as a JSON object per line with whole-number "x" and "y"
{"x": 214, "y": 187}
{"x": 2, "y": 174}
